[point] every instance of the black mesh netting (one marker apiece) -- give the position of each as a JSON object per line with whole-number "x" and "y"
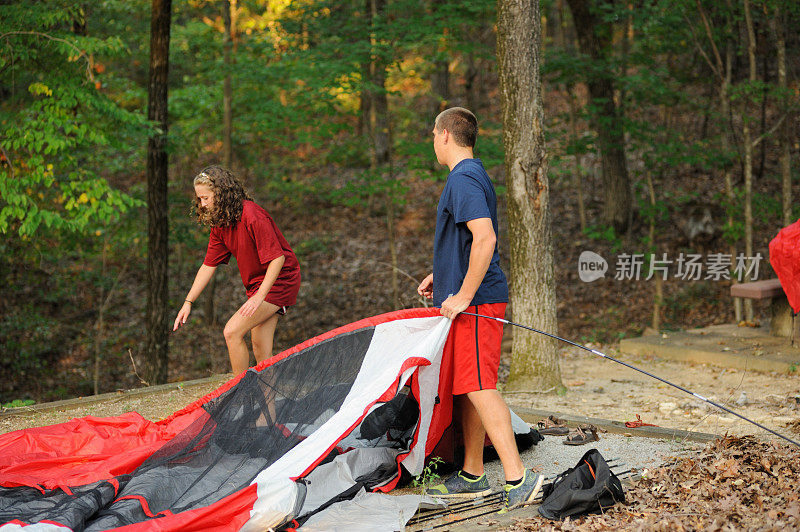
{"x": 244, "y": 431}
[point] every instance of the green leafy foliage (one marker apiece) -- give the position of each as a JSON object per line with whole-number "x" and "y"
{"x": 73, "y": 99}
{"x": 19, "y": 403}
{"x": 58, "y": 123}
{"x": 605, "y": 233}
{"x": 429, "y": 475}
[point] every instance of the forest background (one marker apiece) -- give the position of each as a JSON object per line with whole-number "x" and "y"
{"x": 670, "y": 125}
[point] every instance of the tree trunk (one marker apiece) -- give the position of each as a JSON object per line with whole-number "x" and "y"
{"x": 763, "y": 127}
{"x": 594, "y": 38}
{"x": 390, "y": 229}
{"x": 477, "y": 71}
{"x": 100, "y": 324}
{"x": 658, "y": 290}
{"x": 730, "y": 192}
{"x": 785, "y": 136}
{"x": 561, "y": 42}
{"x": 229, "y": 20}
{"x": 535, "y": 360}
{"x": 440, "y": 86}
{"x": 748, "y": 154}
{"x": 365, "y": 103}
{"x": 722, "y": 69}
{"x": 156, "y": 347}
{"x": 381, "y": 139}
{"x": 577, "y": 166}
{"x": 471, "y": 82}
{"x": 380, "y": 102}
{"x": 229, "y": 16}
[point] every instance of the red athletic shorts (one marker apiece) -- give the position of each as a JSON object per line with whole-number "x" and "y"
{"x": 475, "y": 343}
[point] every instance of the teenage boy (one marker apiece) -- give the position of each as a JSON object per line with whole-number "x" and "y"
{"x": 467, "y": 276}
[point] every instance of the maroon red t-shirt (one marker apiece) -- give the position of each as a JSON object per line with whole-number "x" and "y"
{"x": 256, "y": 241}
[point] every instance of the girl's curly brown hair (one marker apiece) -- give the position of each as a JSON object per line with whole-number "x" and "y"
{"x": 229, "y": 197}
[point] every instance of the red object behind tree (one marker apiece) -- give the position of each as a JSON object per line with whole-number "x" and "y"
{"x": 784, "y": 255}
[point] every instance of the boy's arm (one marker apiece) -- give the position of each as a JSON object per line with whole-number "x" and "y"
{"x": 480, "y": 256}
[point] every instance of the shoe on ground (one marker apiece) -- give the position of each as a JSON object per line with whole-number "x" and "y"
{"x": 553, "y": 426}
{"x": 458, "y": 486}
{"x": 583, "y": 434}
{"x": 522, "y": 494}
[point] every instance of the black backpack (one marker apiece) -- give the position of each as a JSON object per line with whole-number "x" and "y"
{"x": 589, "y": 487}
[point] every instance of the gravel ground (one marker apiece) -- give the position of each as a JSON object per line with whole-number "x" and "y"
{"x": 552, "y": 457}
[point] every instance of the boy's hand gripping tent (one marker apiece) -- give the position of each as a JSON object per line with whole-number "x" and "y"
{"x": 272, "y": 448}
{"x": 784, "y": 255}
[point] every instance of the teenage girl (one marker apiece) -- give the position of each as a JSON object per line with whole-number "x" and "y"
{"x": 268, "y": 266}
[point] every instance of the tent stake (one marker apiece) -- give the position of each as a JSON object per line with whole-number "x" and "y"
{"x": 681, "y": 388}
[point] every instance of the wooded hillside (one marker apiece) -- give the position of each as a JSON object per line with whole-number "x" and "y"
{"x": 670, "y": 126}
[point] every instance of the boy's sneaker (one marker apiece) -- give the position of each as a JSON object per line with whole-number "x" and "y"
{"x": 523, "y": 493}
{"x": 460, "y": 486}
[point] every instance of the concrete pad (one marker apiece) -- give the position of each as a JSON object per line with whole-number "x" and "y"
{"x": 77, "y": 402}
{"x": 730, "y": 346}
{"x": 533, "y": 415}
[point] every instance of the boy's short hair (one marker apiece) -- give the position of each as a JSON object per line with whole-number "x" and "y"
{"x": 461, "y": 123}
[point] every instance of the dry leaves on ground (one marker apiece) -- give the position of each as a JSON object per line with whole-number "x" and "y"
{"x": 732, "y": 484}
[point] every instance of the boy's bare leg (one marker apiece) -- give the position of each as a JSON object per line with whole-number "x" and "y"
{"x": 236, "y": 329}
{"x": 491, "y": 412}
{"x": 474, "y": 436}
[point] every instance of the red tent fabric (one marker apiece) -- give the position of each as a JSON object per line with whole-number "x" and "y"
{"x": 265, "y": 450}
{"x": 784, "y": 255}
{"x": 84, "y": 450}
{"x": 236, "y": 455}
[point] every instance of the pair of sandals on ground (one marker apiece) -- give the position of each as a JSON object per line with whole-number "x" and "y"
{"x": 553, "y": 426}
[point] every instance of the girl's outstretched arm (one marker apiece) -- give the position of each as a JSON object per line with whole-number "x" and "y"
{"x": 204, "y": 275}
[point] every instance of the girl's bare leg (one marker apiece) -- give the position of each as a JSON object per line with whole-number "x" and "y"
{"x": 236, "y": 329}
{"x": 263, "y": 336}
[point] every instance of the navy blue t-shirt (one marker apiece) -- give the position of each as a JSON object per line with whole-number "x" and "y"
{"x": 467, "y": 195}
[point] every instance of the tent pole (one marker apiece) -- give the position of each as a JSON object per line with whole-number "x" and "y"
{"x": 681, "y": 388}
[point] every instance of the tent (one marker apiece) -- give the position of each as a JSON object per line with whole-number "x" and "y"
{"x": 784, "y": 255}
{"x": 280, "y": 446}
